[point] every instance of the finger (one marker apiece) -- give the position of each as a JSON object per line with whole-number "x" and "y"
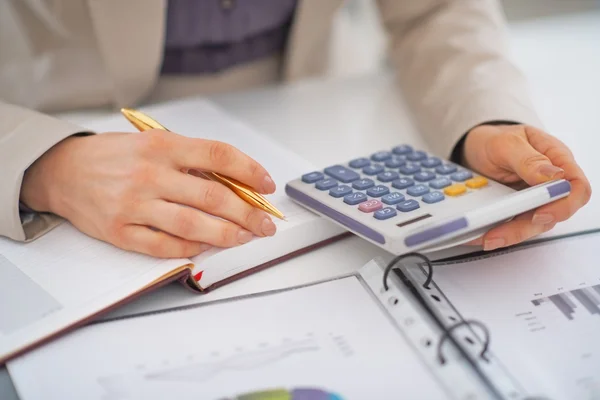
{"x": 520, "y": 156}
{"x": 190, "y": 224}
{"x": 475, "y": 242}
{"x": 562, "y": 157}
{"x": 214, "y": 198}
{"x": 515, "y": 231}
{"x": 158, "y": 244}
{"x": 215, "y": 156}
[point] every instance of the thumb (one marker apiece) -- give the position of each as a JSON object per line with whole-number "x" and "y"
{"x": 532, "y": 166}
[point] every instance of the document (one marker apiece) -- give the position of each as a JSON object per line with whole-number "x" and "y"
{"x": 542, "y": 307}
{"x": 326, "y": 341}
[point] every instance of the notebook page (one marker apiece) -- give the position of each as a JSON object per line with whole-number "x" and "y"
{"x": 542, "y": 307}
{"x": 200, "y": 118}
{"x": 64, "y": 277}
{"x": 330, "y": 339}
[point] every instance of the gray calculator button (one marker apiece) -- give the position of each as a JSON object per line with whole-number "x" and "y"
{"x": 416, "y": 156}
{"x": 402, "y": 149}
{"x": 431, "y": 162}
{"x": 378, "y": 191}
{"x": 440, "y": 183}
{"x": 363, "y": 184}
{"x": 388, "y": 176}
{"x": 340, "y": 191}
{"x": 417, "y": 190}
{"x": 381, "y": 156}
{"x": 395, "y": 162}
{"x": 402, "y": 183}
{"x": 312, "y": 177}
{"x": 373, "y": 169}
{"x": 408, "y": 205}
{"x": 392, "y": 198}
{"x": 433, "y": 197}
{"x": 409, "y": 169}
{"x": 342, "y": 173}
{"x": 424, "y": 176}
{"x": 461, "y": 176}
{"x": 385, "y": 213}
{"x": 359, "y": 162}
{"x": 355, "y": 198}
{"x": 326, "y": 184}
{"x": 446, "y": 169}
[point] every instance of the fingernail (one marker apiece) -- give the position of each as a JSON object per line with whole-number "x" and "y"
{"x": 268, "y": 227}
{"x": 491, "y": 244}
{"x": 268, "y": 185}
{"x": 244, "y": 237}
{"x": 542, "y": 219}
{"x": 551, "y": 171}
{"x": 204, "y": 247}
{"x": 476, "y": 242}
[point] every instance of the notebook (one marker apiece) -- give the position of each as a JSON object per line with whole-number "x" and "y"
{"x": 65, "y": 278}
{"x": 520, "y": 323}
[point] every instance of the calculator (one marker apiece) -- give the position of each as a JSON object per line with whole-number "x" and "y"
{"x": 403, "y": 199}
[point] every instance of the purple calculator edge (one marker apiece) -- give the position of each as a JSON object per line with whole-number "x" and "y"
{"x": 412, "y": 240}
{"x": 335, "y": 215}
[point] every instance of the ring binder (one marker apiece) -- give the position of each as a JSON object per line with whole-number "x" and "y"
{"x": 446, "y": 334}
{"x": 447, "y": 331}
{"x": 399, "y": 258}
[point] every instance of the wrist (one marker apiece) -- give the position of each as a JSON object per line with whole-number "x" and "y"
{"x": 39, "y": 189}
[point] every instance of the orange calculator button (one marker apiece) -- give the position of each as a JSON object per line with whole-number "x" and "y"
{"x": 477, "y": 182}
{"x": 455, "y": 190}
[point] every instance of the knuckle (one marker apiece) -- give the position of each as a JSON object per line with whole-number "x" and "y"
{"x": 228, "y": 235}
{"x": 115, "y": 233}
{"x": 152, "y": 142}
{"x": 220, "y": 154}
{"x": 587, "y": 193}
{"x": 532, "y": 159}
{"x": 250, "y": 216}
{"x": 214, "y": 196}
{"x": 184, "y": 223}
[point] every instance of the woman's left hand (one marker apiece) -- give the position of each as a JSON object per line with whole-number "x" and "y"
{"x": 520, "y": 154}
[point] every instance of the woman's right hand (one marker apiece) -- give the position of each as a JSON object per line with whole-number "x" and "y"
{"x": 129, "y": 190}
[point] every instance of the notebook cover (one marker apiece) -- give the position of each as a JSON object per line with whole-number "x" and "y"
{"x": 185, "y": 277}
{"x": 193, "y": 285}
{"x": 181, "y": 276}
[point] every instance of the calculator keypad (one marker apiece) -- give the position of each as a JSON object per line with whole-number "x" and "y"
{"x": 378, "y": 191}
{"x": 340, "y": 191}
{"x": 386, "y": 183}
{"x": 326, "y": 184}
{"x": 363, "y": 184}
{"x": 373, "y": 169}
{"x": 370, "y": 206}
{"x": 385, "y": 213}
{"x": 342, "y": 173}
{"x": 355, "y": 198}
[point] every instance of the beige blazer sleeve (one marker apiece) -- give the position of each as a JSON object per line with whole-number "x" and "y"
{"x": 24, "y": 136}
{"x": 453, "y": 65}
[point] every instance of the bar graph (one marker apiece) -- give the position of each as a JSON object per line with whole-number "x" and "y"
{"x": 586, "y": 299}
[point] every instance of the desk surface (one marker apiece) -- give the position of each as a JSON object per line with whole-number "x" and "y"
{"x": 560, "y": 58}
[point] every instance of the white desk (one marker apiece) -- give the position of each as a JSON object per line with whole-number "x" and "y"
{"x": 560, "y": 56}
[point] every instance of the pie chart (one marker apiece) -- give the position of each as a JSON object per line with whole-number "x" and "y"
{"x": 293, "y": 394}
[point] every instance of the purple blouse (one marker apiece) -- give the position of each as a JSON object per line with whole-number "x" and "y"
{"x": 208, "y": 36}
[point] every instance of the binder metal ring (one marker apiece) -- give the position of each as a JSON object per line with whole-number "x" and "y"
{"x": 446, "y": 335}
{"x": 397, "y": 259}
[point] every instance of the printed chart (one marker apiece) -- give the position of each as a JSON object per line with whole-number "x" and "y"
{"x": 284, "y": 394}
{"x": 573, "y": 302}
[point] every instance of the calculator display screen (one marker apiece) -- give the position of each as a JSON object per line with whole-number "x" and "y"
{"x": 412, "y": 221}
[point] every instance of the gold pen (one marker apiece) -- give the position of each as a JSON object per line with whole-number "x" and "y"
{"x": 143, "y": 123}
